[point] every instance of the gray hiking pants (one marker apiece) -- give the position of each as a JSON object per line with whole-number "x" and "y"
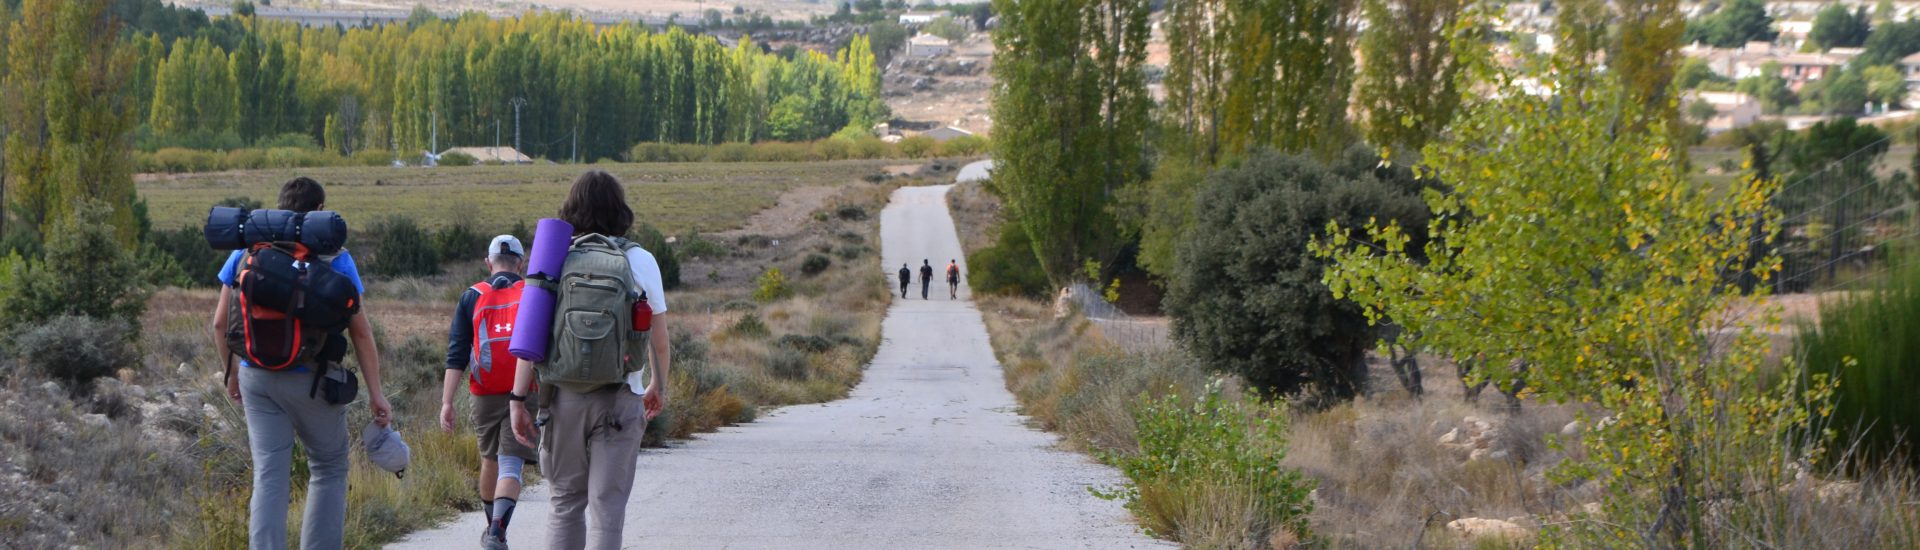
{"x": 588, "y": 451}
{"x": 278, "y": 411}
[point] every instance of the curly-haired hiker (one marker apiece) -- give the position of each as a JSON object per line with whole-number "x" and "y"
{"x": 596, "y": 390}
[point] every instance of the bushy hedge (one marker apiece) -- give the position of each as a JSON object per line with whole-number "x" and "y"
{"x": 1247, "y": 297}
{"x": 1008, "y": 267}
{"x": 175, "y": 160}
{"x": 1870, "y": 342}
{"x": 76, "y": 349}
{"x": 403, "y": 250}
{"x": 655, "y": 242}
{"x": 85, "y": 272}
{"x": 840, "y": 147}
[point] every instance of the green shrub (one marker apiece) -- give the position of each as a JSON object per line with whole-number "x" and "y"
{"x": 871, "y": 148}
{"x": 851, "y": 212}
{"x": 851, "y": 252}
{"x": 187, "y": 248}
{"x": 1870, "y": 342}
{"x": 1008, "y": 266}
{"x": 695, "y": 246}
{"x": 750, "y": 326}
{"x": 916, "y": 146}
{"x": 76, "y": 349}
{"x": 834, "y": 148}
{"x": 805, "y": 342}
{"x": 1217, "y": 451}
{"x": 245, "y": 159}
{"x": 964, "y": 146}
{"x": 655, "y": 242}
{"x": 86, "y": 272}
{"x": 373, "y": 157}
{"x": 404, "y": 249}
{"x": 460, "y": 242}
{"x": 815, "y": 264}
{"x": 1247, "y": 296}
{"x": 457, "y": 158}
{"x": 771, "y": 286}
{"x": 730, "y": 152}
{"x": 787, "y": 362}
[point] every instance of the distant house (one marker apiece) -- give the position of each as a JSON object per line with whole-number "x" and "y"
{"x": 1732, "y": 110}
{"x": 927, "y": 46}
{"x": 944, "y": 133}
{"x": 1910, "y": 66}
{"x": 917, "y": 18}
{"x": 502, "y": 155}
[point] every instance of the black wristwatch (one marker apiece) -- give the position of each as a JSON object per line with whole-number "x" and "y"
{"x": 516, "y": 397}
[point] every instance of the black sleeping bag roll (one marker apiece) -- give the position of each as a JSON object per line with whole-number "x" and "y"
{"x": 322, "y": 232}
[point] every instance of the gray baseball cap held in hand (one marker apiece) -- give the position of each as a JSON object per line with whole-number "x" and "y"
{"x": 385, "y": 449}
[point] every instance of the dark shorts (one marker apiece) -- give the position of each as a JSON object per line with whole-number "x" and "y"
{"x": 494, "y": 426}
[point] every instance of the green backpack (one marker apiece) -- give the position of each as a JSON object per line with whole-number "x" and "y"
{"x": 594, "y": 344}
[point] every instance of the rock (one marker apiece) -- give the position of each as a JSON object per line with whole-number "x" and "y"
{"x": 1483, "y": 528}
{"x": 1488, "y": 454}
{"x": 1572, "y": 429}
{"x": 53, "y": 390}
{"x": 134, "y": 391}
{"x": 1593, "y": 509}
{"x": 185, "y": 372}
{"x": 1837, "y": 492}
{"x": 96, "y": 420}
{"x": 1452, "y": 436}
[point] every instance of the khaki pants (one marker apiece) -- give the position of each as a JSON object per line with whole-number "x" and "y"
{"x": 587, "y": 451}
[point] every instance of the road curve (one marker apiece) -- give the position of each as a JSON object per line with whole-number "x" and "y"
{"x": 927, "y": 452}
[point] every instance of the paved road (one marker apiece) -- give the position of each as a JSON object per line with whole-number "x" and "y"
{"x": 926, "y": 453}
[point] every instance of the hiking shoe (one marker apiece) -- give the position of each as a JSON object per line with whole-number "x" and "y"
{"x": 491, "y": 543}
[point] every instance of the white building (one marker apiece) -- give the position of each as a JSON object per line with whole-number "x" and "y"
{"x": 917, "y": 18}
{"x": 926, "y": 46}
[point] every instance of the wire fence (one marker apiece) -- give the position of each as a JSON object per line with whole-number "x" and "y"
{"x": 1841, "y": 221}
{"x": 1126, "y": 331}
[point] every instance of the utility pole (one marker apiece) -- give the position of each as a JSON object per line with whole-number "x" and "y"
{"x": 576, "y": 144}
{"x": 518, "y": 102}
{"x": 496, "y": 136}
{"x": 433, "y": 145}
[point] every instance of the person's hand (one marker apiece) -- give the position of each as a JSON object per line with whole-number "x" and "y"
{"x": 522, "y": 421}
{"x": 382, "y": 411}
{"x": 446, "y": 417}
{"x": 233, "y": 387}
{"x": 654, "y": 400}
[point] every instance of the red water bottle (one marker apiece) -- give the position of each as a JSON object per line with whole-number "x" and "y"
{"x": 642, "y": 314}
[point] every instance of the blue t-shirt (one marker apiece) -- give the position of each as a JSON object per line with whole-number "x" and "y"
{"x": 342, "y": 264}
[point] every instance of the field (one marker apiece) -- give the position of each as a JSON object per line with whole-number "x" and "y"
{"x": 676, "y": 198}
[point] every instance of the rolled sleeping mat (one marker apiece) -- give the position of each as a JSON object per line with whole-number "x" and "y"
{"x": 533, "y": 326}
{"x": 322, "y": 232}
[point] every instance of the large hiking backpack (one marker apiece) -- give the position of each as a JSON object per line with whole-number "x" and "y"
{"x": 288, "y": 303}
{"x": 492, "y": 368}
{"x": 594, "y": 344}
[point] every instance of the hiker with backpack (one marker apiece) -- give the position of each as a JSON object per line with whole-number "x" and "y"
{"x": 282, "y": 366}
{"x": 603, "y": 375}
{"x": 926, "y": 277}
{"x": 477, "y": 352}
{"x": 953, "y": 279}
{"x": 906, "y": 278}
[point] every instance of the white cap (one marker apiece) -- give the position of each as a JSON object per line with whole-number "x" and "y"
{"x": 508, "y": 244}
{"x": 385, "y": 449}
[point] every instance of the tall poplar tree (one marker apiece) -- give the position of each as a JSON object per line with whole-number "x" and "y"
{"x": 1071, "y": 114}
{"x": 67, "y": 115}
{"x": 1409, "y": 86}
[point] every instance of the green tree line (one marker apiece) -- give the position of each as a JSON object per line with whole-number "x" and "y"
{"x": 400, "y": 87}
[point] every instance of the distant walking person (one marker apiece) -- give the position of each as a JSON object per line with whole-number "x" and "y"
{"x": 284, "y": 403}
{"x": 926, "y": 277}
{"x": 953, "y": 279}
{"x": 477, "y": 352}
{"x": 906, "y": 278}
{"x": 606, "y": 374}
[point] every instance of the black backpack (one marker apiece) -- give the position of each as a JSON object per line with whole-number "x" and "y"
{"x": 288, "y": 304}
